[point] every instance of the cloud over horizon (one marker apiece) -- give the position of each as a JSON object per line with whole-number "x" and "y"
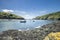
{"x": 6, "y": 10}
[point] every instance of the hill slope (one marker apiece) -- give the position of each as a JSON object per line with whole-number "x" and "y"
{"x": 51, "y": 16}
{"x": 4, "y": 15}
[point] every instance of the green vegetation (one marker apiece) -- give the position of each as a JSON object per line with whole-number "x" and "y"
{"x": 6, "y": 15}
{"x": 51, "y": 16}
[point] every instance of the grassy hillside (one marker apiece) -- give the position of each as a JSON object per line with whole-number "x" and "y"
{"x": 4, "y": 15}
{"x": 51, "y": 16}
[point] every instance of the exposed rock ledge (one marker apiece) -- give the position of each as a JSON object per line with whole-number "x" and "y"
{"x": 36, "y": 34}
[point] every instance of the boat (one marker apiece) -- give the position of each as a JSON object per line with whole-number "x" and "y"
{"x": 23, "y": 21}
{"x": 33, "y": 21}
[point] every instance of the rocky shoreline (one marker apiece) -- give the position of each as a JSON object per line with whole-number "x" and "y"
{"x": 36, "y": 34}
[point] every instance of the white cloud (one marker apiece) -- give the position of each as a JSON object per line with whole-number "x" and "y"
{"x": 26, "y": 16}
{"x": 21, "y": 12}
{"x": 6, "y": 10}
{"x": 43, "y": 11}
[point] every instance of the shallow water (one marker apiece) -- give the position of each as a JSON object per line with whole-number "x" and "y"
{"x": 15, "y": 24}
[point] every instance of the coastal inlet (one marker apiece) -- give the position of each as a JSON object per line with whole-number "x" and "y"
{"x": 6, "y": 24}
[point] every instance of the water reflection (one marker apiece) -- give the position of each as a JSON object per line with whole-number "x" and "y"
{"x": 16, "y": 24}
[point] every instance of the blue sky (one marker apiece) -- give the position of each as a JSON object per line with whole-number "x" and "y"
{"x": 30, "y": 8}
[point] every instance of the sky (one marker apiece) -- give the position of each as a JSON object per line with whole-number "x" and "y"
{"x": 30, "y": 8}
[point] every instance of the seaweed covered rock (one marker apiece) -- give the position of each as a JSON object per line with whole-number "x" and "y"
{"x": 53, "y": 36}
